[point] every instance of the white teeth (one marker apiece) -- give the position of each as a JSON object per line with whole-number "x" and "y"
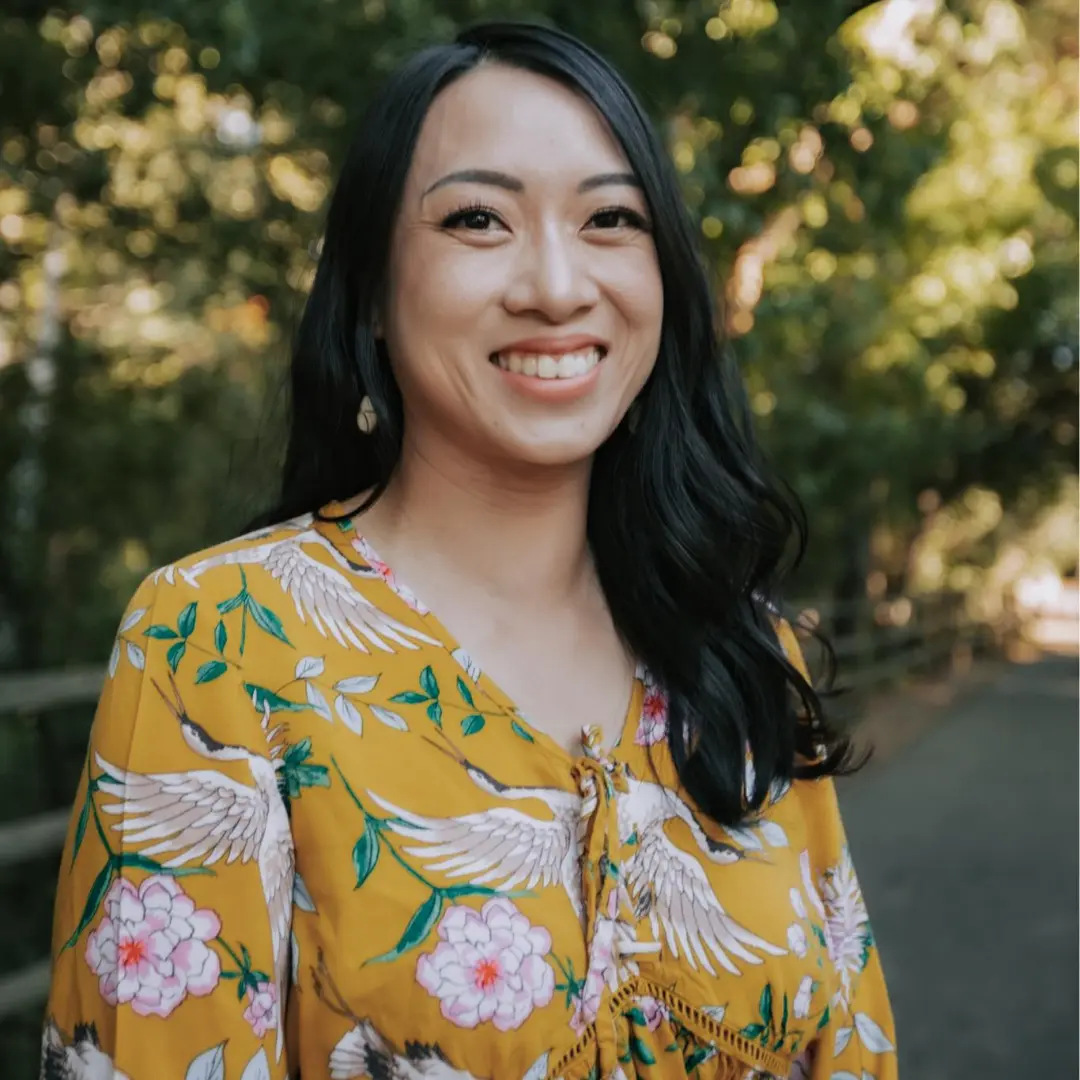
{"x": 542, "y": 366}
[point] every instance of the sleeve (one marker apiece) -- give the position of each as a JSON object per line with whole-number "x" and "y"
{"x": 789, "y": 643}
{"x": 171, "y": 925}
{"x": 856, "y": 1039}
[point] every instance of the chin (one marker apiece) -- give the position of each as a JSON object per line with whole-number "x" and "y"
{"x": 555, "y": 449}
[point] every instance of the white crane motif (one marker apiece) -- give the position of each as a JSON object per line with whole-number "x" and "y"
{"x": 503, "y": 844}
{"x": 82, "y": 1060}
{"x": 505, "y": 847}
{"x": 318, "y": 591}
{"x": 205, "y": 815}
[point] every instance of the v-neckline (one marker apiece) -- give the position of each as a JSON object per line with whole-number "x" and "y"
{"x": 484, "y": 683}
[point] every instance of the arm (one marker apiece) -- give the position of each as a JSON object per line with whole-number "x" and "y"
{"x": 171, "y": 927}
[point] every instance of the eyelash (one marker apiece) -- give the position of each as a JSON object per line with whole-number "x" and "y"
{"x": 457, "y": 218}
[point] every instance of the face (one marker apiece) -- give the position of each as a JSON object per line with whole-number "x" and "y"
{"x": 525, "y": 303}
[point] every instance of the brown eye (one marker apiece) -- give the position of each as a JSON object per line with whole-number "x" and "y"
{"x": 618, "y": 217}
{"x": 472, "y": 219}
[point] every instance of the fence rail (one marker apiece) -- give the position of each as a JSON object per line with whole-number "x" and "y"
{"x": 876, "y": 645}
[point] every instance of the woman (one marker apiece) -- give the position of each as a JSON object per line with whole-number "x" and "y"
{"x": 484, "y": 757}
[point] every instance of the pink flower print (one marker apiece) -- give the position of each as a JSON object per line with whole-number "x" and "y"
{"x": 149, "y": 950}
{"x": 261, "y": 1012}
{"x": 655, "y": 1012}
{"x": 387, "y": 574}
{"x": 489, "y": 965}
{"x": 653, "y": 723}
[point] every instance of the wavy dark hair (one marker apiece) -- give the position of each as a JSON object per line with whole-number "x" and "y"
{"x": 690, "y": 536}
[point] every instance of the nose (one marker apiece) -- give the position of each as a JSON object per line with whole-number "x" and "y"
{"x": 552, "y": 278}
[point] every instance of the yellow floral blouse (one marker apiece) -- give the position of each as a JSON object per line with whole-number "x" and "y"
{"x": 300, "y": 790}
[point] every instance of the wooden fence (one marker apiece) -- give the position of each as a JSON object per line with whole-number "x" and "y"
{"x": 877, "y": 644}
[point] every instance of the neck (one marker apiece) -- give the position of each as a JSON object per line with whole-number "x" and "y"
{"x": 518, "y": 532}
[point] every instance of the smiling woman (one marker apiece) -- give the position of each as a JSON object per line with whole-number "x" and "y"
{"x": 485, "y": 754}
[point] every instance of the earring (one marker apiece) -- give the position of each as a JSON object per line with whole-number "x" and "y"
{"x": 367, "y": 419}
{"x": 633, "y": 417}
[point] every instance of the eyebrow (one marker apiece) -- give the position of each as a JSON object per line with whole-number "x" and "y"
{"x": 493, "y": 178}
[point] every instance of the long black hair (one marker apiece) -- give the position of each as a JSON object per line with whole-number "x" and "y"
{"x": 690, "y": 536}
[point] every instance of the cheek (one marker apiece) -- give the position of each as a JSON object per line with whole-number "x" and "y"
{"x": 439, "y": 292}
{"x": 635, "y": 286}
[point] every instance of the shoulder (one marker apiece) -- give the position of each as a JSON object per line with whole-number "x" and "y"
{"x": 235, "y": 596}
{"x": 251, "y": 549}
{"x": 289, "y": 594}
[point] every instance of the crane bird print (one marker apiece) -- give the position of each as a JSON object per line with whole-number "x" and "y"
{"x": 506, "y": 847}
{"x": 204, "y": 815}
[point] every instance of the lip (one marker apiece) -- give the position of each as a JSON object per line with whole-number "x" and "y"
{"x": 555, "y": 346}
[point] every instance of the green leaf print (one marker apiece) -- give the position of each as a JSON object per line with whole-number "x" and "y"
{"x": 84, "y": 818}
{"x": 221, "y": 636}
{"x": 261, "y": 697}
{"x": 434, "y": 712}
{"x": 225, "y": 606}
{"x": 420, "y": 925}
{"x": 641, "y": 1051}
{"x": 80, "y": 829}
{"x": 266, "y": 620}
{"x": 697, "y": 1057}
{"x": 296, "y": 774}
{"x": 133, "y": 860}
{"x": 428, "y": 683}
{"x": 867, "y": 948}
{"x": 454, "y": 892}
{"x": 365, "y": 853}
{"x": 175, "y": 655}
{"x": 472, "y": 724}
{"x": 160, "y": 632}
{"x": 518, "y": 730}
{"x": 824, "y": 1018}
{"x": 636, "y": 1016}
{"x": 409, "y": 697}
{"x": 752, "y": 1031}
{"x": 465, "y": 692}
{"x": 784, "y": 1018}
{"x": 210, "y": 671}
{"x": 186, "y": 623}
{"x": 819, "y": 933}
{"x": 765, "y": 1005}
{"x": 93, "y": 901}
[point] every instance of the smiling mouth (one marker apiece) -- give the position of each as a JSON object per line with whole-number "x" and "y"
{"x": 571, "y": 365}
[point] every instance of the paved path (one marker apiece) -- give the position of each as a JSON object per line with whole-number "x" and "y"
{"x": 966, "y": 844}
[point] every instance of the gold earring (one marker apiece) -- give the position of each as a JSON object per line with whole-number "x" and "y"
{"x": 367, "y": 419}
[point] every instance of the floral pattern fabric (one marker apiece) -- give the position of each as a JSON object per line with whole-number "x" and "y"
{"x": 314, "y": 839}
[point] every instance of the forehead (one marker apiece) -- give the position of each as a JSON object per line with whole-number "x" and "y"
{"x": 503, "y": 118}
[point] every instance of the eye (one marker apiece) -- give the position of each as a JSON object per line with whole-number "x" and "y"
{"x": 475, "y": 218}
{"x": 618, "y": 217}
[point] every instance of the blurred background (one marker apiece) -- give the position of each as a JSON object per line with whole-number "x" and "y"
{"x": 887, "y": 195}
